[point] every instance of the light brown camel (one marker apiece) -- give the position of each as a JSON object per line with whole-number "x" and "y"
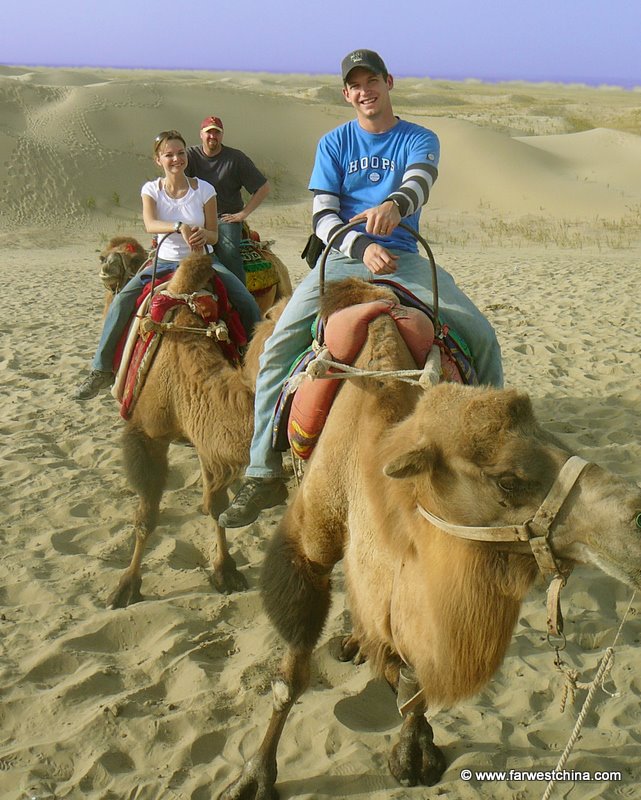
{"x": 420, "y": 596}
{"x": 123, "y": 256}
{"x": 193, "y": 394}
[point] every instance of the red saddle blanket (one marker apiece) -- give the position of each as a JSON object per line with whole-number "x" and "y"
{"x": 210, "y": 306}
{"x": 344, "y": 335}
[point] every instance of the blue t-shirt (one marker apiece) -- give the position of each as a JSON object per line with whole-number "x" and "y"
{"x": 364, "y": 168}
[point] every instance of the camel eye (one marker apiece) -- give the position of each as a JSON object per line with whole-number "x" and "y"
{"x": 638, "y": 520}
{"x": 102, "y": 259}
{"x": 509, "y": 483}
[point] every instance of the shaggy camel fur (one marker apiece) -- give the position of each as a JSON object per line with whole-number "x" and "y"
{"x": 192, "y": 393}
{"x": 123, "y": 256}
{"x": 419, "y": 596}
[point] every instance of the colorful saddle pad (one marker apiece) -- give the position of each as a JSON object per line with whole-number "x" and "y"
{"x": 303, "y": 405}
{"x": 140, "y": 345}
{"x": 260, "y": 273}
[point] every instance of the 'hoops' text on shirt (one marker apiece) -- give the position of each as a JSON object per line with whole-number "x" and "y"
{"x": 370, "y": 162}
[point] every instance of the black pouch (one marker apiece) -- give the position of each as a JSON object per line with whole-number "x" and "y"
{"x": 312, "y": 251}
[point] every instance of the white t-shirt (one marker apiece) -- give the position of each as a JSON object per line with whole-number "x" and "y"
{"x": 189, "y": 209}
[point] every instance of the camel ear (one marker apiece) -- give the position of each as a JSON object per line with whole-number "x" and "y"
{"x": 411, "y": 463}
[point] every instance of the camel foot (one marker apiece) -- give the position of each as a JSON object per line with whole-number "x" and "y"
{"x": 256, "y": 782}
{"x": 227, "y": 579}
{"x": 416, "y": 760}
{"x": 350, "y": 650}
{"x": 127, "y": 593}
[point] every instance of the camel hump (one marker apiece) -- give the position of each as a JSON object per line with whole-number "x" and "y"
{"x": 193, "y": 273}
{"x": 346, "y": 329}
{"x": 345, "y": 334}
{"x": 349, "y": 292}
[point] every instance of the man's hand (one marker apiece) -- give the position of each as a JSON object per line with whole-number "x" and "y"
{"x": 380, "y": 220}
{"x": 241, "y": 216}
{"x": 378, "y": 260}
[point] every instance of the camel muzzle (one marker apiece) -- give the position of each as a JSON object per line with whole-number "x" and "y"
{"x": 113, "y": 271}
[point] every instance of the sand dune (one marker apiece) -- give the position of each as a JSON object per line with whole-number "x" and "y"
{"x": 513, "y": 177}
{"x": 599, "y": 156}
{"x": 164, "y": 700}
{"x": 82, "y": 142}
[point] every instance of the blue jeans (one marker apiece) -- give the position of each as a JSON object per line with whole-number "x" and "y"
{"x": 292, "y": 336}
{"x": 227, "y": 248}
{"x": 124, "y": 305}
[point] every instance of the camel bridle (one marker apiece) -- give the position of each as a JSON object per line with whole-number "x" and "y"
{"x": 536, "y": 532}
{"x": 122, "y": 272}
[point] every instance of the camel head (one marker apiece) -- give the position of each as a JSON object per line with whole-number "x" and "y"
{"x": 478, "y": 457}
{"x": 120, "y": 260}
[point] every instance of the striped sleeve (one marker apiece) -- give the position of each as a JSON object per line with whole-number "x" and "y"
{"x": 326, "y": 221}
{"x": 415, "y": 187}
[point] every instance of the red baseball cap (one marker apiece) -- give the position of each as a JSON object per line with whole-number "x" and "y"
{"x": 211, "y": 123}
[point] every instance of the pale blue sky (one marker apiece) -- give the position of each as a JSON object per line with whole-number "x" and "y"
{"x": 559, "y": 40}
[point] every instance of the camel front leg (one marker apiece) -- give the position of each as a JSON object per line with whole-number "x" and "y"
{"x": 296, "y": 596}
{"x": 225, "y": 576}
{"x": 350, "y": 649}
{"x": 146, "y": 467}
{"x": 256, "y": 782}
{"x": 128, "y": 589}
{"x": 415, "y": 759}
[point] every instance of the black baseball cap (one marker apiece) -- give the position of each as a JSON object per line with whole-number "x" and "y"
{"x": 367, "y": 59}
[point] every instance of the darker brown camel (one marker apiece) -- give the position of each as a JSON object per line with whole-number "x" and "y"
{"x": 123, "y": 256}
{"x": 191, "y": 394}
{"x": 438, "y": 607}
{"x": 120, "y": 260}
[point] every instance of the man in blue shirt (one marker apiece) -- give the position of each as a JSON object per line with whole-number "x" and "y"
{"x": 381, "y": 169}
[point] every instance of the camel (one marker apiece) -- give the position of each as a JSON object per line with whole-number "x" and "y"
{"x": 124, "y": 256}
{"x": 433, "y": 613}
{"x": 192, "y": 394}
{"x": 120, "y": 260}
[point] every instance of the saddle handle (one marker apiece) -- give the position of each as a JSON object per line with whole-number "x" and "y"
{"x": 430, "y": 257}
{"x": 157, "y": 250}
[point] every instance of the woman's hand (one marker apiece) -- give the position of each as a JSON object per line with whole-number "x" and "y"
{"x": 198, "y": 238}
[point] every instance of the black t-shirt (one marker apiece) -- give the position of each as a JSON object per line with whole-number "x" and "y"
{"x": 228, "y": 172}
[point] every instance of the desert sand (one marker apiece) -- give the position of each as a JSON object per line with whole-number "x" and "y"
{"x": 537, "y": 213}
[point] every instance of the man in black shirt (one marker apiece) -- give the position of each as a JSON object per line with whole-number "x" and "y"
{"x": 229, "y": 171}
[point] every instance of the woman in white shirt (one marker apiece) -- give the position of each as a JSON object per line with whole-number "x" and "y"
{"x": 173, "y": 204}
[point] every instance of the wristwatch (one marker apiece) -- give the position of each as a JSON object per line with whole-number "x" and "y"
{"x": 177, "y": 226}
{"x": 396, "y": 203}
